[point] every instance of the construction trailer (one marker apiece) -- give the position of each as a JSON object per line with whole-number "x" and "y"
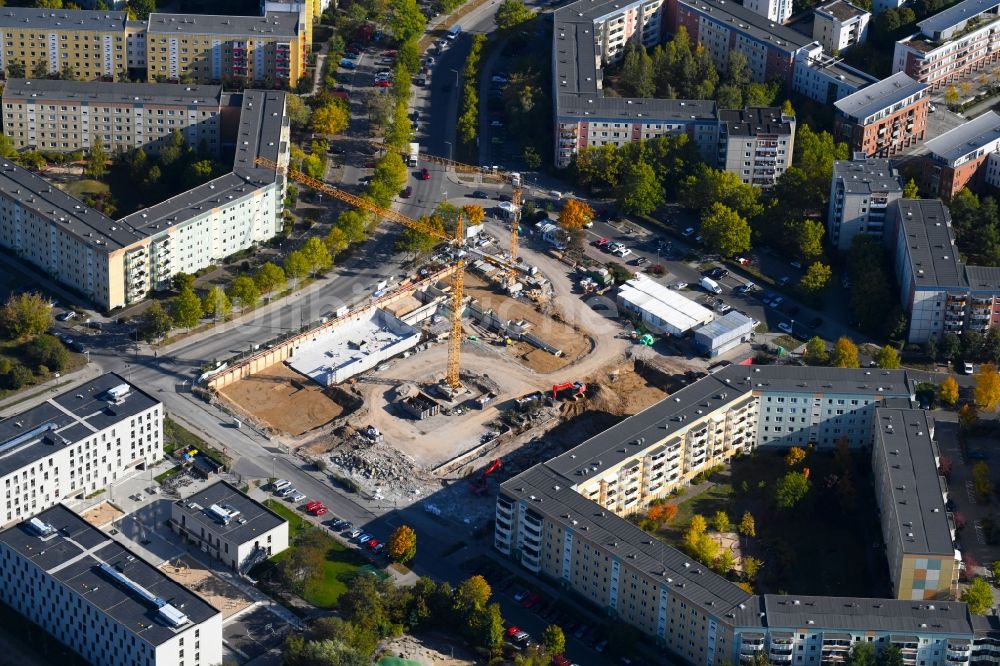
{"x": 661, "y": 310}
{"x": 420, "y": 406}
{"x": 723, "y": 334}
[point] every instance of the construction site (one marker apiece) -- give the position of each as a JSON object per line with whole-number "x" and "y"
{"x": 465, "y": 374}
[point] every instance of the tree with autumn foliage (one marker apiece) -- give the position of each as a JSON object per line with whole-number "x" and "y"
{"x": 948, "y": 391}
{"x": 473, "y": 215}
{"x": 967, "y": 416}
{"x": 748, "y": 526}
{"x": 662, "y": 513}
{"x": 795, "y": 456}
{"x": 402, "y": 546}
{"x": 575, "y": 214}
{"x": 987, "y": 387}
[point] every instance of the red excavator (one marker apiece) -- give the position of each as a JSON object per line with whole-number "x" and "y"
{"x": 478, "y": 486}
{"x": 577, "y": 390}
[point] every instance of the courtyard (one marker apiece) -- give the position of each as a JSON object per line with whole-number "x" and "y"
{"x": 829, "y": 543}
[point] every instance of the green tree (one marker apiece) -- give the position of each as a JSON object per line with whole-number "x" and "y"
{"x": 809, "y": 239}
{"x": 910, "y": 190}
{"x": 47, "y": 350}
{"x": 553, "y": 640}
{"x": 298, "y": 112}
{"x": 637, "y": 71}
{"x": 720, "y": 522}
{"x": 816, "y": 353}
{"x": 216, "y": 304}
{"x": 979, "y": 596}
{"x": 336, "y": 241}
{"x": 317, "y": 254}
{"x": 531, "y": 157}
{"x": 640, "y": 192}
{"x": 19, "y": 376}
{"x": 707, "y": 186}
{"x": 815, "y": 154}
{"x": 816, "y": 277}
{"x": 313, "y": 166}
{"x": 296, "y": 265}
{"x": 402, "y": 545}
{"x": 25, "y": 315}
{"x": 198, "y": 172}
{"x": 400, "y": 132}
{"x": 185, "y": 309}
{"x": 725, "y": 562}
{"x": 15, "y": 69}
{"x": 181, "y": 281}
{"x": 791, "y": 489}
{"x": 269, "y": 277}
{"x": 725, "y": 231}
{"x": 156, "y": 322}
{"x": 473, "y": 593}
{"x": 512, "y": 13}
{"x": 405, "y": 19}
{"x": 748, "y": 526}
{"x": 845, "y": 354}
{"x": 751, "y": 567}
{"x": 97, "y": 162}
{"x": 243, "y": 290}
{"x": 40, "y": 70}
{"x": 142, "y": 8}
{"x": 888, "y": 357}
{"x": 862, "y": 654}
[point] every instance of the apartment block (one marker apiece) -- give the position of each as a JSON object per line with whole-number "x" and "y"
{"x": 77, "y": 442}
{"x": 756, "y": 143}
{"x": 839, "y": 25}
{"x": 135, "y": 44}
{"x": 860, "y": 193}
{"x": 66, "y": 116}
{"x": 225, "y": 523}
{"x": 823, "y": 78}
{"x": 958, "y": 158}
{"x": 619, "y": 24}
{"x": 937, "y": 290}
{"x": 884, "y": 118}
{"x": 952, "y": 44}
{"x": 269, "y": 49}
{"x": 102, "y": 600}
{"x": 991, "y": 176}
{"x": 114, "y": 263}
{"x": 563, "y": 520}
{"x": 918, "y": 531}
{"x": 91, "y": 43}
{"x": 778, "y": 11}
{"x": 308, "y": 11}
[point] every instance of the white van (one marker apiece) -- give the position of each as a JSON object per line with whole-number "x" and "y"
{"x": 279, "y": 485}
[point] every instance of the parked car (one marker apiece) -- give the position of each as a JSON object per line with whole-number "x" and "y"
{"x": 364, "y": 538}
{"x": 381, "y": 83}
{"x": 687, "y": 233}
{"x": 796, "y": 264}
{"x": 531, "y": 601}
{"x": 786, "y": 327}
{"x": 355, "y": 533}
{"x": 373, "y": 543}
{"x": 746, "y": 288}
{"x": 784, "y": 280}
{"x": 968, "y": 368}
{"x": 407, "y": 192}
{"x": 521, "y": 595}
{"x": 623, "y": 252}
{"x": 348, "y": 64}
{"x": 66, "y": 316}
{"x": 479, "y": 194}
{"x": 280, "y": 484}
{"x": 601, "y": 242}
{"x": 679, "y": 285}
{"x": 425, "y": 174}
{"x": 287, "y": 492}
{"x": 297, "y": 497}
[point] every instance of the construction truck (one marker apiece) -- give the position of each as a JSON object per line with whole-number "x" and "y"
{"x": 574, "y": 390}
{"x": 414, "y": 155}
{"x": 478, "y": 486}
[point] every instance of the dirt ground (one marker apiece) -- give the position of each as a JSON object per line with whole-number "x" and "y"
{"x": 284, "y": 400}
{"x": 428, "y": 649}
{"x": 102, "y": 514}
{"x": 213, "y": 589}
{"x": 573, "y": 343}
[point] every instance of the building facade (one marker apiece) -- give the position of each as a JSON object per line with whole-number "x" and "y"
{"x": 114, "y": 263}
{"x": 959, "y": 158}
{"x": 229, "y": 526}
{"x": 860, "y": 193}
{"x": 66, "y": 116}
{"x": 823, "y": 78}
{"x": 76, "y": 443}
{"x": 563, "y": 520}
{"x": 884, "y": 118}
{"x": 101, "y": 600}
{"x": 952, "y": 44}
{"x": 756, "y": 143}
{"x": 90, "y": 43}
{"x": 261, "y": 50}
{"x": 839, "y": 25}
{"x": 778, "y": 11}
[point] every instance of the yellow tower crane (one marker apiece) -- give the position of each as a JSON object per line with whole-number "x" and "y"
{"x": 458, "y": 279}
{"x": 511, "y": 177}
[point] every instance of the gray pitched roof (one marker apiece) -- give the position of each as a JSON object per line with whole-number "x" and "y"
{"x": 798, "y": 612}
{"x": 121, "y": 93}
{"x": 879, "y": 96}
{"x": 272, "y": 24}
{"x": 955, "y": 15}
{"x": 62, "y": 19}
{"x": 866, "y": 176}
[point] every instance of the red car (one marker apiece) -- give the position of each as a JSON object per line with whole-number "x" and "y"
{"x": 315, "y": 504}
{"x": 601, "y": 242}
{"x": 531, "y": 601}
{"x": 425, "y": 174}
{"x": 372, "y": 543}
{"x": 512, "y": 630}
{"x": 321, "y": 511}
{"x": 382, "y": 84}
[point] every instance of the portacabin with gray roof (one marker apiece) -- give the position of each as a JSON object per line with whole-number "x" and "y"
{"x": 48, "y": 452}
{"x": 118, "y": 262}
{"x": 562, "y": 519}
{"x": 102, "y": 600}
{"x": 227, "y": 524}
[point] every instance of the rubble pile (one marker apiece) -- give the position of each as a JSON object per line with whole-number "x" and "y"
{"x": 379, "y": 468}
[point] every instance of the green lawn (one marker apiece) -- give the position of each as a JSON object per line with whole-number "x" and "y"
{"x": 818, "y": 547}
{"x": 175, "y": 435}
{"x": 83, "y": 187}
{"x": 341, "y": 566}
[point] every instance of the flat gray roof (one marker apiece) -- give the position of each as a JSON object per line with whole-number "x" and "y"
{"x": 966, "y": 138}
{"x": 114, "y": 93}
{"x": 985, "y": 278}
{"x": 903, "y": 443}
{"x": 62, "y": 19}
{"x": 954, "y": 15}
{"x": 272, "y": 24}
{"x": 867, "y": 176}
{"x": 926, "y": 223}
{"x": 840, "y": 10}
{"x": 731, "y": 321}
{"x": 546, "y": 491}
{"x": 256, "y": 518}
{"x": 755, "y": 120}
{"x": 862, "y": 614}
{"x": 740, "y": 19}
{"x": 878, "y": 96}
{"x": 71, "y": 416}
{"x": 73, "y": 557}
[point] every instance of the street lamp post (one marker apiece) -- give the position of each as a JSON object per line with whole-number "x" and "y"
{"x": 448, "y": 143}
